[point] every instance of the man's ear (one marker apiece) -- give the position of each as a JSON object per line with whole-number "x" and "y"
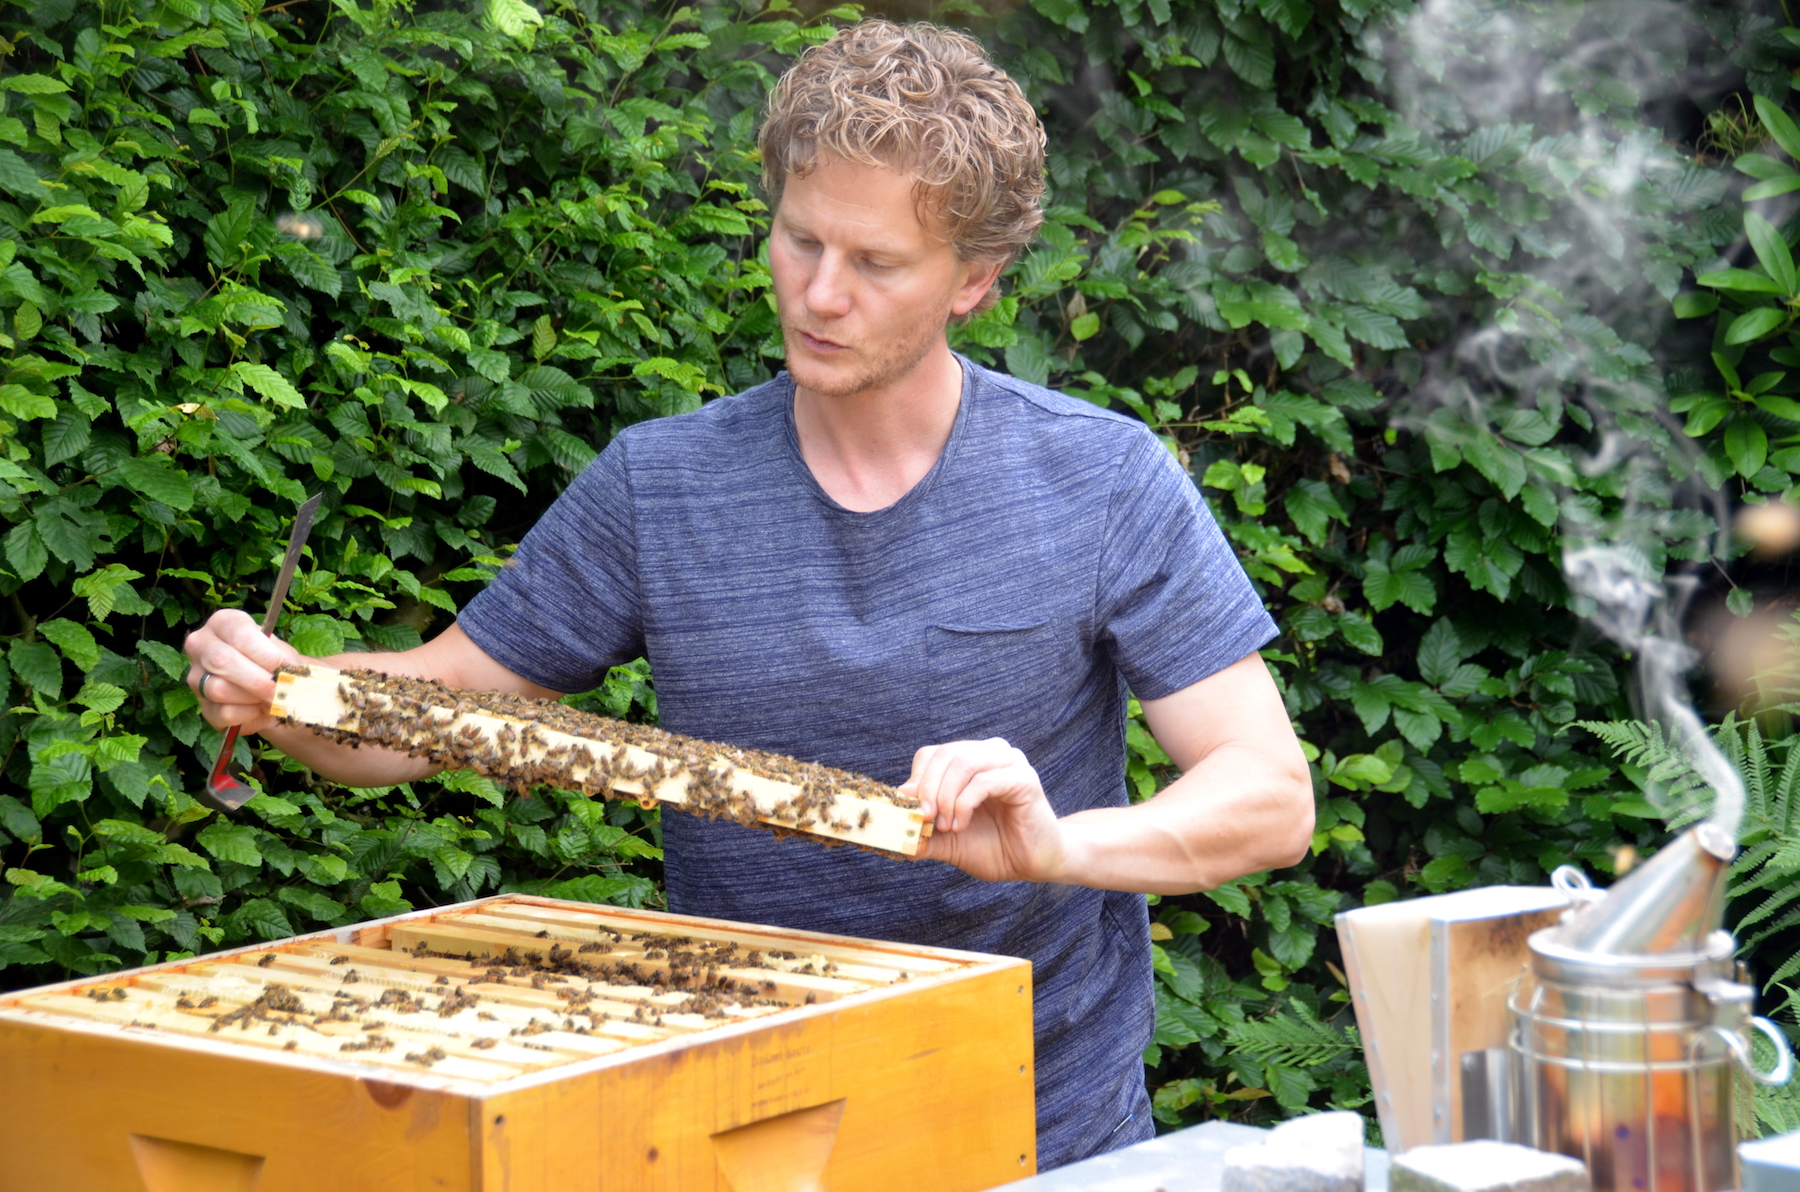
{"x": 980, "y": 279}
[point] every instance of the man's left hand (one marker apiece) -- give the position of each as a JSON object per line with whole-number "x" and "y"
{"x": 989, "y": 814}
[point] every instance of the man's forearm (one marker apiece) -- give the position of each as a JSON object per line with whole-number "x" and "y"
{"x": 365, "y": 765}
{"x": 360, "y": 765}
{"x": 1232, "y": 814}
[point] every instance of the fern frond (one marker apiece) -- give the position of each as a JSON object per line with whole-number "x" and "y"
{"x": 1298, "y": 1040}
{"x": 1774, "y": 904}
{"x": 1751, "y": 757}
{"x": 1669, "y": 771}
{"x": 1791, "y": 919}
{"x": 1778, "y": 812}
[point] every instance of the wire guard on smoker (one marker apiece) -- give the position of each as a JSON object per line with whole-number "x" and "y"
{"x": 1625, "y": 1033}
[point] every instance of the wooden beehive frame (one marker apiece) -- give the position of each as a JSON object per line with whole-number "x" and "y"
{"x": 509, "y": 987}
{"x": 519, "y": 741}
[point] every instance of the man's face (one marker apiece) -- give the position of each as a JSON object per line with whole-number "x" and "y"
{"x": 864, "y": 285}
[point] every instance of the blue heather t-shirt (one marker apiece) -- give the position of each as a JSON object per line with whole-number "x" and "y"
{"x": 1054, "y": 555}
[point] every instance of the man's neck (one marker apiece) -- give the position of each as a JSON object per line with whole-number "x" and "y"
{"x": 869, "y": 449}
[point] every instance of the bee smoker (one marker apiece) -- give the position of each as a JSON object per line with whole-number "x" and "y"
{"x": 1625, "y": 1033}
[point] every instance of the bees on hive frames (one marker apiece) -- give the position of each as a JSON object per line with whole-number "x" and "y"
{"x": 426, "y": 719}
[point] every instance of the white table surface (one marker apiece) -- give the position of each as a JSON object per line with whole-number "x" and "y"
{"x": 1190, "y": 1160}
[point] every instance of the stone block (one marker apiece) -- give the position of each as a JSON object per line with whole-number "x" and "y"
{"x": 1321, "y": 1152}
{"x": 1771, "y": 1164}
{"x": 1486, "y": 1166}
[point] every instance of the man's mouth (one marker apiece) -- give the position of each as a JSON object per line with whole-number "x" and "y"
{"x": 817, "y": 343}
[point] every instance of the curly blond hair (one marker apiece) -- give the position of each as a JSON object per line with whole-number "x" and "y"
{"x": 925, "y": 100}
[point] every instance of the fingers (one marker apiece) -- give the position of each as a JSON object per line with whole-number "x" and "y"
{"x": 233, "y": 659}
{"x": 951, "y": 781}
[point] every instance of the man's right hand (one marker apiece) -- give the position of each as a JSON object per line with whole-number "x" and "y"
{"x": 234, "y": 658}
{"x": 232, "y": 672}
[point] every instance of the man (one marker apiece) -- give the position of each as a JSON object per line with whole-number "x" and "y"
{"x": 892, "y": 561}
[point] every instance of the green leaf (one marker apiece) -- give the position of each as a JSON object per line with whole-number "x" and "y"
{"x": 19, "y": 177}
{"x": 1360, "y": 633}
{"x": 1753, "y": 325}
{"x": 17, "y": 819}
{"x": 269, "y": 384}
{"x": 1746, "y": 445}
{"x": 1785, "y": 184}
{"x": 76, "y": 643}
{"x": 1503, "y": 466}
{"x": 1780, "y": 126}
{"x": 1693, "y": 305}
{"x": 1084, "y": 327}
{"x": 67, "y": 437}
{"x": 171, "y": 661}
{"x": 1439, "y": 652}
{"x": 230, "y": 842}
{"x": 309, "y": 269}
{"x": 159, "y": 479}
{"x": 36, "y": 665}
{"x": 260, "y": 918}
{"x": 1232, "y": 897}
{"x": 384, "y": 898}
{"x": 1312, "y": 507}
{"x": 33, "y": 84}
{"x": 25, "y": 552}
{"x": 22, "y": 403}
{"x": 228, "y": 233}
{"x": 100, "y": 697}
{"x": 315, "y": 904}
{"x": 1771, "y": 251}
{"x": 1744, "y": 281}
{"x": 515, "y": 18}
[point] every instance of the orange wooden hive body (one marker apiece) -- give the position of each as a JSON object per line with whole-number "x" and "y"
{"x": 528, "y": 1045}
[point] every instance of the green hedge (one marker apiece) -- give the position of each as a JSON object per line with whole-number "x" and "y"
{"x": 428, "y": 259}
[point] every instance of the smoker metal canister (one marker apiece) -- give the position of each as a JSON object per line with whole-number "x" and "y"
{"x": 1625, "y": 1035}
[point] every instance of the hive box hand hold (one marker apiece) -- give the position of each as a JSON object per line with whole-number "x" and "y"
{"x": 530, "y": 1045}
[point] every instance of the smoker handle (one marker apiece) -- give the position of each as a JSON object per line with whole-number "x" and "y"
{"x": 1740, "y": 1047}
{"x": 1572, "y": 883}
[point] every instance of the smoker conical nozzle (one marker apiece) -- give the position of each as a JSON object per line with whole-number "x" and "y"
{"x": 1671, "y": 904}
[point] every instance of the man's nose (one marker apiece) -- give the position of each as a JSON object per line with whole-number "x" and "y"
{"x": 828, "y": 290}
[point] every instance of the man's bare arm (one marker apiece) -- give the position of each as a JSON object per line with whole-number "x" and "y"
{"x": 1243, "y": 803}
{"x": 231, "y": 648}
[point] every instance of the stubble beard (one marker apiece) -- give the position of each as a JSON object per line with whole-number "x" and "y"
{"x": 892, "y": 362}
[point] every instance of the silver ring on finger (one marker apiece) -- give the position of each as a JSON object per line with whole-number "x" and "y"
{"x": 201, "y": 686}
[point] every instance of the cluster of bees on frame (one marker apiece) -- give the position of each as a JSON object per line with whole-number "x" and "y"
{"x": 415, "y": 716}
{"x": 670, "y": 963}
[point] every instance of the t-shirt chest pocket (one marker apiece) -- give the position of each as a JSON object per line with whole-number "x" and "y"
{"x": 997, "y": 680}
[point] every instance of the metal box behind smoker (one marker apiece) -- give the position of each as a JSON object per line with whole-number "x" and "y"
{"x": 1429, "y": 978}
{"x": 530, "y": 1045}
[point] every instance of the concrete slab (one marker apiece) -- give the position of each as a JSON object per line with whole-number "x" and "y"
{"x": 1191, "y": 1160}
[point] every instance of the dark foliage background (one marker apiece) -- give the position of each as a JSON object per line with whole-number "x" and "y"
{"x": 1386, "y": 276}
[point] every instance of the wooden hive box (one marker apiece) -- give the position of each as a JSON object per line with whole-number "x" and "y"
{"x": 528, "y": 1045}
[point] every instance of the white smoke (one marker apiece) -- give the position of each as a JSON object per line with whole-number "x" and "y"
{"x": 1473, "y": 64}
{"x": 1642, "y": 615}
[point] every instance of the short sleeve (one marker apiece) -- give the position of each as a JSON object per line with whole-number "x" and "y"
{"x": 566, "y": 607}
{"x": 1172, "y": 602}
